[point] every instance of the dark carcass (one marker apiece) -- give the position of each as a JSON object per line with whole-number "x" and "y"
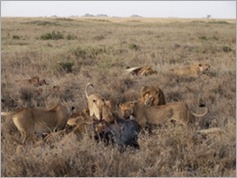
{"x": 122, "y": 133}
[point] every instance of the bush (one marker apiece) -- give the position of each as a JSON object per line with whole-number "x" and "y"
{"x": 133, "y": 46}
{"x": 15, "y": 37}
{"x": 219, "y": 22}
{"x": 226, "y": 48}
{"x": 203, "y": 37}
{"x": 52, "y": 36}
{"x": 66, "y": 66}
{"x": 71, "y": 37}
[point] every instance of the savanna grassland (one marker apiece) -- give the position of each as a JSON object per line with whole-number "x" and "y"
{"x": 70, "y": 52}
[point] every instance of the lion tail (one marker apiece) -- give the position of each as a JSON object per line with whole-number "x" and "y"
{"x": 133, "y": 69}
{"x": 89, "y": 84}
{"x": 200, "y": 115}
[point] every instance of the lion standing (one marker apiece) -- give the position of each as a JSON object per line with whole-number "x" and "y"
{"x": 30, "y": 120}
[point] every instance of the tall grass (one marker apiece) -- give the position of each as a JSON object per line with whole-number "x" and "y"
{"x": 98, "y": 51}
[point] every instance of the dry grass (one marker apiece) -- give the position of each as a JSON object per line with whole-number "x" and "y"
{"x": 98, "y": 51}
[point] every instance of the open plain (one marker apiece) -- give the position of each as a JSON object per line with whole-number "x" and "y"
{"x": 67, "y": 53}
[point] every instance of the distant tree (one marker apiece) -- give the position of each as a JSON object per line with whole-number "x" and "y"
{"x": 135, "y": 15}
{"x": 102, "y": 15}
{"x": 208, "y": 16}
{"x": 88, "y": 15}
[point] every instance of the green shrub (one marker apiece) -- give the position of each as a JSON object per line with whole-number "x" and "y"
{"x": 203, "y": 37}
{"x": 226, "y": 48}
{"x": 42, "y": 23}
{"x": 79, "y": 52}
{"x": 133, "y": 46}
{"x": 15, "y": 37}
{"x": 88, "y": 52}
{"x": 219, "y": 22}
{"x": 66, "y": 66}
{"x": 52, "y": 36}
{"x": 71, "y": 37}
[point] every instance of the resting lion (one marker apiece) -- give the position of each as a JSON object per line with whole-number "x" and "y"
{"x": 152, "y": 96}
{"x": 29, "y": 121}
{"x": 35, "y": 81}
{"x": 143, "y": 70}
{"x": 146, "y": 115}
{"x": 193, "y": 70}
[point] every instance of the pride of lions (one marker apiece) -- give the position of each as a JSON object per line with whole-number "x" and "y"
{"x": 99, "y": 119}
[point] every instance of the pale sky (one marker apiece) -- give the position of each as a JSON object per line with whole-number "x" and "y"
{"x": 180, "y": 9}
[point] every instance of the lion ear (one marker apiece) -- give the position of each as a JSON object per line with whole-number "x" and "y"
{"x": 147, "y": 93}
{"x": 144, "y": 88}
{"x": 108, "y": 103}
{"x": 131, "y": 104}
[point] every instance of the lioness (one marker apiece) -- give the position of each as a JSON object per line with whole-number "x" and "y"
{"x": 95, "y": 103}
{"x": 192, "y": 70}
{"x": 152, "y": 96}
{"x": 146, "y": 115}
{"x": 107, "y": 114}
{"x": 29, "y": 121}
{"x": 143, "y": 70}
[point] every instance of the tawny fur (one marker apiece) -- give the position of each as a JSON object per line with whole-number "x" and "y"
{"x": 95, "y": 103}
{"x": 152, "y": 96}
{"x": 159, "y": 114}
{"x": 193, "y": 70}
{"x": 30, "y": 121}
{"x": 143, "y": 70}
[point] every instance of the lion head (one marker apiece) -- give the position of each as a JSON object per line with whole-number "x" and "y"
{"x": 152, "y": 96}
{"x": 203, "y": 67}
{"x": 126, "y": 109}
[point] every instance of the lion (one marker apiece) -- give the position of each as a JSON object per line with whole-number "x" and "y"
{"x": 143, "y": 70}
{"x": 107, "y": 114}
{"x": 42, "y": 82}
{"x": 83, "y": 114}
{"x": 35, "y": 81}
{"x": 152, "y": 96}
{"x": 95, "y": 103}
{"x": 83, "y": 117}
{"x": 193, "y": 70}
{"x": 148, "y": 115}
{"x": 31, "y": 120}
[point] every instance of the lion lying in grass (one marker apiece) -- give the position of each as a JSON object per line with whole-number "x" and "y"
{"x": 35, "y": 81}
{"x": 193, "y": 70}
{"x": 152, "y": 96}
{"x": 30, "y": 121}
{"x": 143, "y": 70}
{"x": 146, "y": 115}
